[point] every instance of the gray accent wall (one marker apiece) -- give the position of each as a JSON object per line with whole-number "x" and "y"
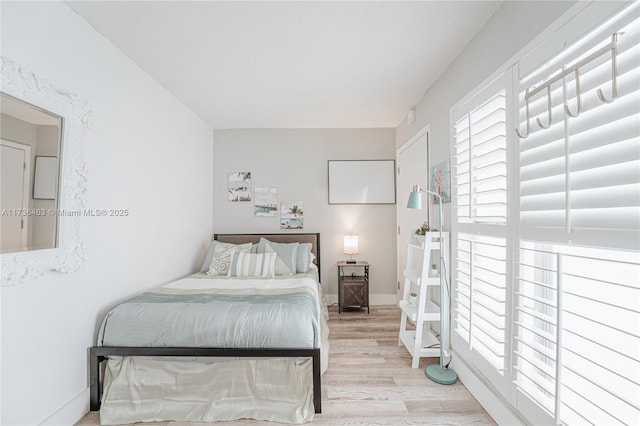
{"x": 295, "y": 161}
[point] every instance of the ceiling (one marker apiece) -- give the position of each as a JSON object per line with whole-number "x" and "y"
{"x": 302, "y": 64}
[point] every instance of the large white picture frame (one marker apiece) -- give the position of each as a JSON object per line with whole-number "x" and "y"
{"x": 362, "y": 182}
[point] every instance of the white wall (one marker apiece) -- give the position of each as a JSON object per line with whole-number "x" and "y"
{"x": 147, "y": 153}
{"x": 295, "y": 161}
{"x": 513, "y": 25}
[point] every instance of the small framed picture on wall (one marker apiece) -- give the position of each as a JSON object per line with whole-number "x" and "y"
{"x": 239, "y": 186}
{"x": 441, "y": 181}
{"x": 265, "y": 202}
{"x": 291, "y": 215}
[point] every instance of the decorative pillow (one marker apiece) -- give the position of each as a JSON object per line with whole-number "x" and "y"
{"x": 304, "y": 258}
{"x": 281, "y": 267}
{"x": 208, "y": 257}
{"x": 252, "y": 264}
{"x": 287, "y": 255}
{"x": 222, "y": 256}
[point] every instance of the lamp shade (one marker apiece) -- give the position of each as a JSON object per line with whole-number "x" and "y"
{"x": 350, "y": 244}
{"x": 415, "y": 200}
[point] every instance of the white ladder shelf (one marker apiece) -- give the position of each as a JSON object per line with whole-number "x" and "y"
{"x": 421, "y": 274}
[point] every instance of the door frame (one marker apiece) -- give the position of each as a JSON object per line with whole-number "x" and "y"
{"x": 400, "y": 262}
{"x": 26, "y": 173}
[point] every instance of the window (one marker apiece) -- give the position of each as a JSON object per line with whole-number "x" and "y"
{"x": 579, "y": 177}
{"x": 577, "y": 299}
{"x": 480, "y": 272}
{"x": 577, "y": 328}
{"x": 480, "y": 162}
{"x": 546, "y": 224}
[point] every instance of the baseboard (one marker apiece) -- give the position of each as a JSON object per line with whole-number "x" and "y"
{"x": 496, "y": 406}
{"x": 374, "y": 299}
{"x": 71, "y": 412}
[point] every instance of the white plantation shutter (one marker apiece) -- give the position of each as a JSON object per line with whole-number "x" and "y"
{"x": 462, "y": 169}
{"x": 579, "y": 179}
{"x": 481, "y": 279}
{"x": 546, "y": 227}
{"x": 577, "y": 334}
{"x": 480, "y": 163}
{"x": 536, "y": 329}
{"x": 577, "y": 298}
{"x": 462, "y": 291}
{"x": 480, "y": 197}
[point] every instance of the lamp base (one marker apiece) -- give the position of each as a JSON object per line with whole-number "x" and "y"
{"x": 442, "y": 375}
{"x": 350, "y": 261}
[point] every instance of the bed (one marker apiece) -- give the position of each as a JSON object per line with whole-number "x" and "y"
{"x": 246, "y": 338}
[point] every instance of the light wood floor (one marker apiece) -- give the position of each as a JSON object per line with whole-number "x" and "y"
{"x": 370, "y": 380}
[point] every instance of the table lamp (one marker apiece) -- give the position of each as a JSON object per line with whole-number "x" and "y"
{"x": 351, "y": 246}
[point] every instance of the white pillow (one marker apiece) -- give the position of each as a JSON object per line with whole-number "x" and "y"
{"x": 222, "y": 257}
{"x": 261, "y": 265}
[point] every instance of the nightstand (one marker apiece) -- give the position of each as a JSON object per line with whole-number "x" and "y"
{"x": 353, "y": 285}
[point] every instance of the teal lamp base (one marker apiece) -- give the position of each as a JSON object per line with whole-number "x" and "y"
{"x": 442, "y": 375}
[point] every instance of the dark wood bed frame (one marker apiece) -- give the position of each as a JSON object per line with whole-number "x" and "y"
{"x": 97, "y": 354}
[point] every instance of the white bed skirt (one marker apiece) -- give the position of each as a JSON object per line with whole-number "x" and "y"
{"x": 144, "y": 389}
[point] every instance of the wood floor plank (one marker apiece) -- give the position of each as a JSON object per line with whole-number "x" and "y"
{"x": 358, "y": 380}
{"x": 397, "y": 393}
{"x": 370, "y": 381}
{"x": 353, "y": 407}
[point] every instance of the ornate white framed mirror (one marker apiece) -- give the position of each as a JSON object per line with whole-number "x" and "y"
{"x": 44, "y": 178}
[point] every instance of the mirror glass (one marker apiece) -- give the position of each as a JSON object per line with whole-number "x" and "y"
{"x": 31, "y": 156}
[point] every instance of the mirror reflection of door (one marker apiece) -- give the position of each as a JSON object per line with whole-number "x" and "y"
{"x": 14, "y": 194}
{"x": 29, "y": 222}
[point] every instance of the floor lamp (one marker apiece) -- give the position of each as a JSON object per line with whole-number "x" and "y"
{"x": 437, "y": 373}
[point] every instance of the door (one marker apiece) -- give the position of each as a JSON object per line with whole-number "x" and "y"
{"x": 413, "y": 167}
{"x": 14, "y": 200}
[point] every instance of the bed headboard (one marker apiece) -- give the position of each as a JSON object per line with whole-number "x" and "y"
{"x": 313, "y": 238}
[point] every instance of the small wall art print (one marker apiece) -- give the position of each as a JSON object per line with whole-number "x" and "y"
{"x": 291, "y": 215}
{"x": 239, "y": 186}
{"x": 441, "y": 181}
{"x": 265, "y": 202}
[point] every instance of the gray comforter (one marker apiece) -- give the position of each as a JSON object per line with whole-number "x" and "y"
{"x": 201, "y": 311}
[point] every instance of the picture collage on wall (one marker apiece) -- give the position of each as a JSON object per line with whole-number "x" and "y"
{"x": 265, "y": 200}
